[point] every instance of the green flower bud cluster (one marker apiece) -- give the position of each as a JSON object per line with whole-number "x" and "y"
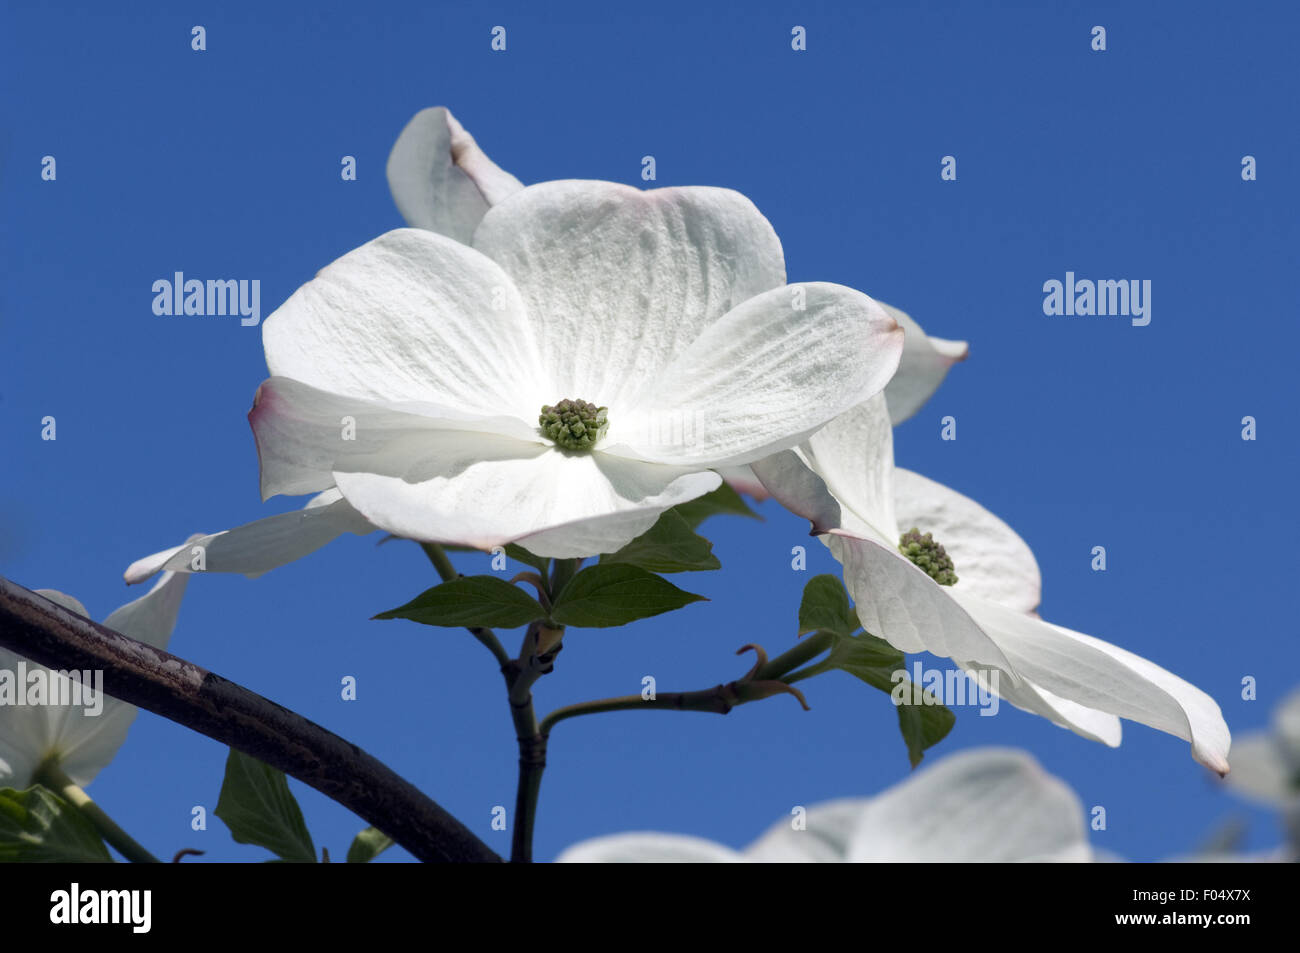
{"x": 574, "y": 424}
{"x": 929, "y": 555}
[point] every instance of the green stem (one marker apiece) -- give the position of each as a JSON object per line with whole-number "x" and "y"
{"x": 520, "y": 675}
{"x": 532, "y": 764}
{"x": 441, "y": 561}
{"x": 438, "y": 556}
{"x": 803, "y": 673}
{"x": 714, "y": 700}
{"x": 562, "y": 570}
{"x": 807, "y": 649}
{"x": 53, "y": 777}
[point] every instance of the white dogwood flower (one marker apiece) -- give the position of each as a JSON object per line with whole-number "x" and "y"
{"x": 422, "y": 386}
{"x": 981, "y": 805}
{"x": 79, "y": 738}
{"x": 844, "y": 480}
{"x": 581, "y": 369}
{"x": 1266, "y": 764}
{"x": 667, "y": 308}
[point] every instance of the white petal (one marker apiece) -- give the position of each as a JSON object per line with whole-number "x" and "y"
{"x": 989, "y": 558}
{"x": 842, "y": 476}
{"x": 761, "y": 378}
{"x": 411, "y": 316}
{"x": 925, "y": 364}
{"x": 440, "y": 179}
{"x": 30, "y": 734}
{"x": 787, "y": 478}
{"x": 85, "y": 745}
{"x": 824, "y": 838}
{"x": 982, "y": 805}
{"x": 1262, "y": 771}
{"x": 648, "y": 848}
{"x": 854, "y": 454}
{"x": 152, "y": 617}
{"x": 601, "y": 534}
{"x": 619, "y": 281}
{"x": 1286, "y": 724}
{"x": 264, "y": 544}
{"x": 1083, "y": 721}
{"x": 898, "y": 602}
{"x": 460, "y": 494}
{"x": 742, "y": 479}
{"x": 71, "y": 603}
{"x": 1099, "y": 675}
{"x": 83, "y": 742}
{"x": 1273, "y": 855}
{"x": 26, "y": 732}
{"x": 304, "y": 434}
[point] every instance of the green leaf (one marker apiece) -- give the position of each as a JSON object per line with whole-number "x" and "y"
{"x": 38, "y": 826}
{"x": 923, "y": 720}
{"x": 723, "y": 500}
{"x": 668, "y": 546}
{"x": 924, "y": 726}
{"x": 486, "y": 601}
{"x": 825, "y": 606}
{"x": 516, "y": 552}
{"x": 258, "y": 807}
{"x": 614, "y": 594}
{"x": 368, "y": 845}
{"x": 866, "y": 657}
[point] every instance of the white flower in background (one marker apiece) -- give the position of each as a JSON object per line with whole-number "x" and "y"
{"x": 981, "y": 805}
{"x": 1266, "y": 764}
{"x": 80, "y": 743}
{"x": 844, "y": 480}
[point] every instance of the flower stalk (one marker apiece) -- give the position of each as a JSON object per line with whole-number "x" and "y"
{"x": 53, "y": 777}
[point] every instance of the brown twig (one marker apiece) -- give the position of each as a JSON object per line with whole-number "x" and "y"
{"x": 183, "y": 692}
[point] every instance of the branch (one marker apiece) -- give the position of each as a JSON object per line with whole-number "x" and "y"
{"x": 178, "y": 690}
{"x": 719, "y": 699}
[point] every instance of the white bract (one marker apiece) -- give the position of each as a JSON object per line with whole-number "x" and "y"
{"x": 1266, "y": 764}
{"x": 844, "y": 480}
{"x": 441, "y": 180}
{"x": 923, "y": 367}
{"x": 982, "y": 805}
{"x": 81, "y": 743}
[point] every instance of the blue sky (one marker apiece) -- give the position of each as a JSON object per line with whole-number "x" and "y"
{"x": 1078, "y": 431}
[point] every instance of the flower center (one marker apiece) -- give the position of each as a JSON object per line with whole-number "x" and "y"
{"x": 929, "y": 555}
{"x": 574, "y": 424}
